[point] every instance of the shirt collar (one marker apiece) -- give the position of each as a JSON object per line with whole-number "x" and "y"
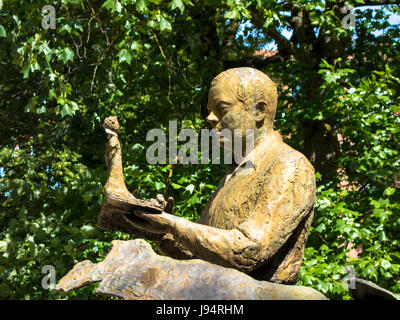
{"x": 251, "y": 161}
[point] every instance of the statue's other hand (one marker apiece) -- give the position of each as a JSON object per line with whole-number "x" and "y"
{"x": 152, "y": 222}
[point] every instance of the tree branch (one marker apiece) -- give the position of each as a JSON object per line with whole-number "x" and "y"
{"x": 283, "y": 43}
{"x": 376, "y": 3}
{"x": 254, "y": 62}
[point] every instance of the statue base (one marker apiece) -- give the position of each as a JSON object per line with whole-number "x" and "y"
{"x": 133, "y": 271}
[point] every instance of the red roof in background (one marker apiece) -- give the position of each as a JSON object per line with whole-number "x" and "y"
{"x": 265, "y": 53}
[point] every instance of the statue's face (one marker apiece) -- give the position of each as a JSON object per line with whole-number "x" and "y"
{"x": 111, "y": 123}
{"x": 226, "y": 111}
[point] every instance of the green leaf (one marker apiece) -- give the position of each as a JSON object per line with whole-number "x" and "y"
{"x": 324, "y": 247}
{"x": 125, "y": 56}
{"x": 3, "y": 246}
{"x": 382, "y": 236}
{"x": 385, "y": 264}
{"x": 159, "y": 185}
{"x": 66, "y": 55}
{"x": 175, "y": 186}
{"x": 234, "y": 14}
{"x": 2, "y": 31}
{"x": 113, "y": 5}
{"x": 177, "y": 4}
{"x": 395, "y": 268}
{"x": 320, "y": 228}
{"x": 307, "y": 280}
{"x": 135, "y": 46}
{"x": 41, "y": 110}
{"x": 25, "y": 70}
{"x": 141, "y": 6}
{"x": 165, "y": 24}
{"x": 66, "y": 27}
{"x": 389, "y": 191}
{"x": 34, "y": 66}
{"x": 74, "y": 106}
{"x": 190, "y": 188}
{"x": 87, "y": 229}
{"x": 324, "y": 203}
{"x": 45, "y": 49}
{"x": 66, "y": 110}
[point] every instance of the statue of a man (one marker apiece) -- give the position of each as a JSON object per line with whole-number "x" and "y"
{"x": 256, "y": 222}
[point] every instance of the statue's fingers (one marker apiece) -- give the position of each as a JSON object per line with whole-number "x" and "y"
{"x": 152, "y": 217}
{"x": 154, "y": 202}
{"x": 160, "y": 198}
{"x": 140, "y": 213}
{"x": 169, "y": 205}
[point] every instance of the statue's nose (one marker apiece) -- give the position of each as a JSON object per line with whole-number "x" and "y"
{"x": 212, "y": 119}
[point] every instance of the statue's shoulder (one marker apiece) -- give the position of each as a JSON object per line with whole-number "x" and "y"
{"x": 288, "y": 156}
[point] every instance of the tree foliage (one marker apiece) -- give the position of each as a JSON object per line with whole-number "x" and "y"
{"x": 151, "y": 61}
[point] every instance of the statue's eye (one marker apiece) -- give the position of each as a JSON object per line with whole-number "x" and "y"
{"x": 223, "y": 108}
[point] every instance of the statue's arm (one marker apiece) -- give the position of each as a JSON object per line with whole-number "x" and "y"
{"x": 286, "y": 200}
{"x": 168, "y": 246}
{"x": 223, "y": 247}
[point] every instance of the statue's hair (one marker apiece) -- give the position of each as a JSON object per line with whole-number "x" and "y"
{"x": 253, "y": 86}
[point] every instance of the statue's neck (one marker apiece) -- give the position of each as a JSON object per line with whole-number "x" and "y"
{"x": 262, "y": 134}
{"x": 265, "y": 136}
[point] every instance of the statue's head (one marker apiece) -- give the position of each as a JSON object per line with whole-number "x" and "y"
{"x": 242, "y": 98}
{"x": 111, "y": 123}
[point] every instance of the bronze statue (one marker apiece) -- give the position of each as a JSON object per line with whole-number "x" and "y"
{"x": 256, "y": 222}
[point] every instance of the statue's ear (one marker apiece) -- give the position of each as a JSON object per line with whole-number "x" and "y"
{"x": 260, "y": 111}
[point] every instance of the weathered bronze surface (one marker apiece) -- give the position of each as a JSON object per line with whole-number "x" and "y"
{"x": 119, "y": 201}
{"x": 362, "y": 289}
{"x": 133, "y": 271}
{"x": 256, "y": 222}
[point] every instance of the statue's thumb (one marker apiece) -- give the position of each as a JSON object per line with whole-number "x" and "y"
{"x": 169, "y": 205}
